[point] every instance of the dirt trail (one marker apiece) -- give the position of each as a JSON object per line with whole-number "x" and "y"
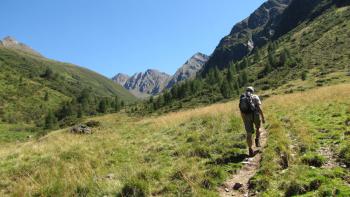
{"x": 248, "y": 170}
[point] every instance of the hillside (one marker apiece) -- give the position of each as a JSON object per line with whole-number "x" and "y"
{"x": 153, "y": 82}
{"x": 181, "y": 154}
{"x": 31, "y": 85}
{"x": 314, "y": 52}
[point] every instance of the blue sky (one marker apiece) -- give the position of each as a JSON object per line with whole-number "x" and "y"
{"x": 111, "y": 36}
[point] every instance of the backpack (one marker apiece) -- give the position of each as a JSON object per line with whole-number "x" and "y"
{"x": 246, "y": 104}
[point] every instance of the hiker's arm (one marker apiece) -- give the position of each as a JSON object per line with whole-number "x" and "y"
{"x": 261, "y": 113}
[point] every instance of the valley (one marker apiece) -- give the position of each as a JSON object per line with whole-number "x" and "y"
{"x": 189, "y": 152}
{"x": 66, "y": 130}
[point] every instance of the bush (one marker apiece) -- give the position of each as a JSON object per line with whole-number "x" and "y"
{"x": 299, "y": 187}
{"x": 93, "y": 123}
{"x": 313, "y": 160}
{"x": 303, "y": 75}
{"x": 344, "y": 154}
{"x": 81, "y": 191}
{"x": 259, "y": 183}
{"x": 295, "y": 188}
{"x": 135, "y": 188}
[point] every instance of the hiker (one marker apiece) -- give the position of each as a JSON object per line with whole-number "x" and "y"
{"x": 250, "y": 107}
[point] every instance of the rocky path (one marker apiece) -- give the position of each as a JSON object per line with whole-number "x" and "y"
{"x": 238, "y": 184}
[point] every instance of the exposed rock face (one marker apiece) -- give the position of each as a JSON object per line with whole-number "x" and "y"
{"x": 120, "y": 78}
{"x": 148, "y": 83}
{"x": 10, "y": 42}
{"x": 81, "y": 129}
{"x": 189, "y": 69}
{"x": 153, "y": 82}
{"x": 252, "y": 32}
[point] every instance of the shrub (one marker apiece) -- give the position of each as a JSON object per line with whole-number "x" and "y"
{"x": 135, "y": 188}
{"x": 295, "y": 188}
{"x": 303, "y": 75}
{"x": 93, "y": 123}
{"x": 344, "y": 154}
{"x": 313, "y": 160}
{"x": 81, "y": 191}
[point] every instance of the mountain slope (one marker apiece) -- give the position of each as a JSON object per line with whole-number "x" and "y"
{"x": 189, "y": 69}
{"x": 152, "y": 82}
{"x": 252, "y": 32}
{"x": 31, "y": 85}
{"x": 313, "y": 53}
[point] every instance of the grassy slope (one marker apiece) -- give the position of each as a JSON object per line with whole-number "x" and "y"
{"x": 22, "y": 90}
{"x": 303, "y": 125}
{"x": 187, "y": 153}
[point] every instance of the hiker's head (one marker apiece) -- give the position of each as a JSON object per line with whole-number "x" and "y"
{"x": 250, "y": 89}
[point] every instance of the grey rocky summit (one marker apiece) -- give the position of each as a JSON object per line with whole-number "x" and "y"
{"x": 120, "y": 78}
{"x": 189, "y": 69}
{"x": 143, "y": 84}
{"x": 12, "y": 43}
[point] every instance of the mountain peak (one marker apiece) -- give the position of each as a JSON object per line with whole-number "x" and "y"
{"x": 11, "y": 43}
{"x": 152, "y": 81}
{"x": 120, "y": 78}
{"x": 10, "y": 40}
{"x": 189, "y": 69}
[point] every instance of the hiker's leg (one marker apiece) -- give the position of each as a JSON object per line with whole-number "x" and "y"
{"x": 257, "y": 123}
{"x": 249, "y": 140}
{"x": 249, "y": 127}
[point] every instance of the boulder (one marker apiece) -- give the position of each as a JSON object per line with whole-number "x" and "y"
{"x": 81, "y": 129}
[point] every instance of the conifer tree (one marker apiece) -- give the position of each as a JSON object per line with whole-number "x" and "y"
{"x": 226, "y": 90}
{"x": 102, "y": 107}
{"x": 50, "y": 121}
{"x": 230, "y": 76}
{"x": 116, "y": 104}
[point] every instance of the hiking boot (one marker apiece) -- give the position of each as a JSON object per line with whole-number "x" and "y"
{"x": 251, "y": 153}
{"x": 257, "y": 142}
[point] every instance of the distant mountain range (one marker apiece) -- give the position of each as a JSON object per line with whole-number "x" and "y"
{"x": 152, "y": 82}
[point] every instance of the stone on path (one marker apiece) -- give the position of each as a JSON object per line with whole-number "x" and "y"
{"x": 236, "y": 186}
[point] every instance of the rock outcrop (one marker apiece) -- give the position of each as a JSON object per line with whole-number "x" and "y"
{"x": 12, "y": 43}
{"x": 252, "y": 32}
{"x": 120, "y": 79}
{"x": 189, "y": 69}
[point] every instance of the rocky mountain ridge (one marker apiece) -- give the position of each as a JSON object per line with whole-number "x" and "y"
{"x": 152, "y": 82}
